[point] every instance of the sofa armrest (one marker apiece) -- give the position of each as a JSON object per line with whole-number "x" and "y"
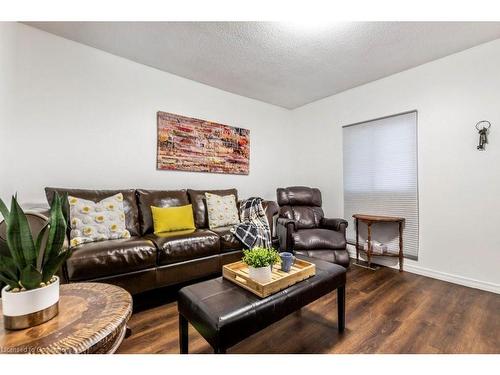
{"x": 271, "y": 209}
{"x": 338, "y": 225}
{"x": 285, "y": 228}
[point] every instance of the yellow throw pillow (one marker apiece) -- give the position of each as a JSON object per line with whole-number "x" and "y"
{"x": 170, "y": 219}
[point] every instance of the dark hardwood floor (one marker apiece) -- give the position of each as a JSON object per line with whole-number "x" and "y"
{"x": 387, "y": 312}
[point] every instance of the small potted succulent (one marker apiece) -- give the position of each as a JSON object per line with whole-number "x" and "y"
{"x": 31, "y": 295}
{"x": 260, "y": 261}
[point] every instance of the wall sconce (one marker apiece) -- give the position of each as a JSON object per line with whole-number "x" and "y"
{"x": 483, "y": 127}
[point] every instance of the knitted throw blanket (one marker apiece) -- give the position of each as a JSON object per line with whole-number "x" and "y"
{"x": 254, "y": 227}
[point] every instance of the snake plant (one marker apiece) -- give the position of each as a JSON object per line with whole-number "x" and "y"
{"x": 33, "y": 262}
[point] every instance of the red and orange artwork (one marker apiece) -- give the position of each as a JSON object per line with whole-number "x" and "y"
{"x": 189, "y": 144}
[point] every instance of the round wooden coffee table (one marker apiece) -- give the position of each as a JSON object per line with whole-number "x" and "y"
{"x": 92, "y": 319}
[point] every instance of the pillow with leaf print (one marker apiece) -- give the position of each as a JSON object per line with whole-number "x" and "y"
{"x": 96, "y": 221}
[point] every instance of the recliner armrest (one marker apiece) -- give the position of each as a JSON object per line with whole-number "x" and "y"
{"x": 286, "y": 222}
{"x": 338, "y": 225}
{"x": 284, "y": 228}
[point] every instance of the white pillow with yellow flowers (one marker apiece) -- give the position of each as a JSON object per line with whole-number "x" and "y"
{"x": 91, "y": 221}
{"x": 222, "y": 210}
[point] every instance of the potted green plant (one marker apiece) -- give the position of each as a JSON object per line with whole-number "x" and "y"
{"x": 260, "y": 261}
{"x": 31, "y": 295}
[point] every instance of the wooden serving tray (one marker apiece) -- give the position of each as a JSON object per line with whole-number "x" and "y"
{"x": 238, "y": 273}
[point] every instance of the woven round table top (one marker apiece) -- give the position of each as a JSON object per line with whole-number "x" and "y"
{"x": 92, "y": 319}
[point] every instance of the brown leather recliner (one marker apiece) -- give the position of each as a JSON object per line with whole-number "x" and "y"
{"x": 303, "y": 229}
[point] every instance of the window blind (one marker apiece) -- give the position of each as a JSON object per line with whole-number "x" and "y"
{"x": 380, "y": 178}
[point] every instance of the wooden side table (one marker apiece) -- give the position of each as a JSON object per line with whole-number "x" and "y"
{"x": 372, "y": 219}
{"x": 92, "y": 319}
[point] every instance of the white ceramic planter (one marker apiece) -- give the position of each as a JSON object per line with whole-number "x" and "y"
{"x": 31, "y": 307}
{"x": 260, "y": 274}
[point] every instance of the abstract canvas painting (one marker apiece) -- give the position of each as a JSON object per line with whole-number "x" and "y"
{"x": 189, "y": 144}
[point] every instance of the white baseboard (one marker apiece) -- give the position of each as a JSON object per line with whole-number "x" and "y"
{"x": 455, "y": 279}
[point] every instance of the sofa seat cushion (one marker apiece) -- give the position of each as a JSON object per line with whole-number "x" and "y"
{"x": 184, "y": 245}
{"x": 105, "y": 258}
{"x": 317, "y": 238}
{"x": 228, "y": 242}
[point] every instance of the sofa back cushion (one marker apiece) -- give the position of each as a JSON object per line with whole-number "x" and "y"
{"x": 199, "y": 202}
{"x": 129, "y": 202}
{"x": 157, "y": 198}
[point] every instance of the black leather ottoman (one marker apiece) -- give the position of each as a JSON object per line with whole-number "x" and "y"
{"x": 224, "y": 313}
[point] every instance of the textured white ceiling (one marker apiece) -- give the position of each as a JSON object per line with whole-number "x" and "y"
{"x": 285, "y": 64}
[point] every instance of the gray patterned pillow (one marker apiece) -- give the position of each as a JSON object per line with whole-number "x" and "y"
{"x": 222, "y": 210}
{"x": 90, "y": 221}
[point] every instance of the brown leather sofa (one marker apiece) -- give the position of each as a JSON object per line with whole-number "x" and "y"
{"x": 147, "y": 261}
{"x": 302, "y": 228}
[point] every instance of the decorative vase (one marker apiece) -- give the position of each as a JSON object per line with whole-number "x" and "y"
{"x": 30, "y": 307}
{"x": 262, "y": 275}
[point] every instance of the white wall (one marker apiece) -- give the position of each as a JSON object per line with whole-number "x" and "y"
{"x": 459, "y": 187}
{"x": 75, "y": 116}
